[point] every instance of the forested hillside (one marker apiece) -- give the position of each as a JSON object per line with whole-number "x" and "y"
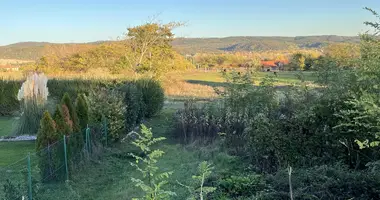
{"x": 34, "y": 50}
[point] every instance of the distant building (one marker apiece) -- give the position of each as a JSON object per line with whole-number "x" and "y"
{"x": 273, "y": 65}
{"x": 9, "y": 68}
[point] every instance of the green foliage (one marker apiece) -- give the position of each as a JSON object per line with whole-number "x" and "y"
{"x": 235, "y": 186}
{"x": 47, "y": 151}
{"x": 197, "y": 123}
{"x": 8, "y": 97}
{"x": 12, "y": 191}
{"x": 135, "y": 105}
{"x": 47, "y": 134}
{"x": 152, "y": 95}
{"x": 66, "y": 100}
{"x": 62, "y": 125}
{"x": 325, "y": 182}
{"x": 198, "y": 190}
{"x": 110, "y": 104}
{"x": 147, "y": 165}
{"x": 82, "y": 111}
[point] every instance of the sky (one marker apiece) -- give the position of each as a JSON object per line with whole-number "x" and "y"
{"x": 94, "y": 20}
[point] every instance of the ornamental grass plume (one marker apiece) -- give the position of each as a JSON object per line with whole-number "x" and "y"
{"x": 33, "y": 94}
{"x": 34, "y": 89}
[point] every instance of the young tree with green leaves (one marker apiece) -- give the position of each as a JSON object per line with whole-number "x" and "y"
{"x": 146, "y": 163}
{"x": 198, "y": 190}
{"x": 148, "y": 47}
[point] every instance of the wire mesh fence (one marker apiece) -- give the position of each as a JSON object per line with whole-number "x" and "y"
{"x": 55, "y": 163}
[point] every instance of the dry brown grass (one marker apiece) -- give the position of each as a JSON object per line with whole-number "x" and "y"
{"x": 14, "y": 61}
{"x": 180, "y": 89}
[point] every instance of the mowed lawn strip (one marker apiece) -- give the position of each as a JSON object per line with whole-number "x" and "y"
{"x": 11, "y": 152}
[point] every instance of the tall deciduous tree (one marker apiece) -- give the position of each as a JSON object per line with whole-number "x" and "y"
{"x": 344, "y": 54}
{"x": 149, "y": 42}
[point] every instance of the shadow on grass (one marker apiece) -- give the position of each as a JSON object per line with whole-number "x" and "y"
{"x": 208, "y": 83}
{"x": 220, "y": 84}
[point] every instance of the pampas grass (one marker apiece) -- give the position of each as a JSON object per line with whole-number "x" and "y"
{"x": 33, "y": 97}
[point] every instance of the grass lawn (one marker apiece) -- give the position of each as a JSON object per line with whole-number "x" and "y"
{"x": 11, "y": 152}
{"x": 6, "y": 126}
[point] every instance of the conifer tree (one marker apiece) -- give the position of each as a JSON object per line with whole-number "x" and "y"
{"x": 47, "y": 136}
{"x": 62, "y": 126}
{"x": 82, "y": 111}
{"x": 66, "y": 100}
{"x": 47, "y": 133}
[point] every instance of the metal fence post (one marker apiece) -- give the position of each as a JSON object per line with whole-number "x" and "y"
{"x": 65, "y": 149}
{"x": 88, "y": 139}
{"x": 29, "y": 179}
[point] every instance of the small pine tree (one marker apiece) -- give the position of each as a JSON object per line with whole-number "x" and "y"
{"x": 47, "y": 134}
{"x": 63, "y": 128}
{"x": 66, "y": 100}
{"x": 82, "y": 111}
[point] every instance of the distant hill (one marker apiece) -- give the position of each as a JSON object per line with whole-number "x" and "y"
{"x": 231, "y": 44}
{"x": 34, "y": 50}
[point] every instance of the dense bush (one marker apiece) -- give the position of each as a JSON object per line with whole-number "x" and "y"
{"x": 8, "y": 97}
{"x": 153, "y": 95}
{"x": 81, "y": 107}
{"x": 235, "y": 186}
{"x": 110, "y": 104}
{"x": 46, "y": 139}
{"x": 297, "y": 126}
{"x": 326, "y": 182}
{"x": 135, "y": 105}
{"x": 197, "y": 122}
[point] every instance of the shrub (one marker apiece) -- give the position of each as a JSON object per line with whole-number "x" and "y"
{"x": 66, "y": 100}
{"x": 110, "y": 104}
{"x": 135, "y": 105}
{"x": 153, "y": 96}
{"x": 46, "y": 148}
{"x": 326, "y": 182}
{"x": 235, "y": 186}
{"x": 82, "y": 111}
{"x": 8, "y": 97}
{"x": 62, "y": 121}
{"x": 197, "y": 122}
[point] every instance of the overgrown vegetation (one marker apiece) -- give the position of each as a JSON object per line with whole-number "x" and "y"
{"x": 322, "y": 132}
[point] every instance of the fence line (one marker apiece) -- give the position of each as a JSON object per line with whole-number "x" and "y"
{"x": 54, "y": 163}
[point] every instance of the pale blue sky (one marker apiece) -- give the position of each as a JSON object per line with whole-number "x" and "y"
{"x": 92, "y": 20}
